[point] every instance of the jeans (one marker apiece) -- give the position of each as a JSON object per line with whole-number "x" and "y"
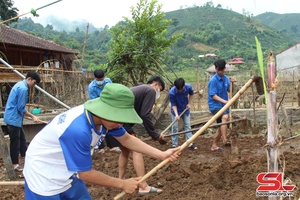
{"x": 17, "y": 143}
{"x": 186, "y": 126}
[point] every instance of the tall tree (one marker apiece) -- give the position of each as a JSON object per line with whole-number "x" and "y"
{"x": 138, "y": 44}
{"x": 7, "y": 10}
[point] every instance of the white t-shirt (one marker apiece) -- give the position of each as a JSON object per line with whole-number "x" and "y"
{"x": 61, "y": 149}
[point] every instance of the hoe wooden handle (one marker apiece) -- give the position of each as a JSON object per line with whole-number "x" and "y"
{"x": 162, "y": 133}
{"x": 198, "y": 133}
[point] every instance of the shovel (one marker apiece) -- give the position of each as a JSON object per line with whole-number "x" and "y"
{"x": 259, "y": 87}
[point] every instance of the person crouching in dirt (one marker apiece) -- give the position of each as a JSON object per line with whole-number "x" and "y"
{"x": 144, "y": 99}
{"x": 218, "y": 88}
{"x": 58, "y": 160}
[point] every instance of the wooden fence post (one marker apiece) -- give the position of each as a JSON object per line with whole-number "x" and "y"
{"x": 6, "y": 157}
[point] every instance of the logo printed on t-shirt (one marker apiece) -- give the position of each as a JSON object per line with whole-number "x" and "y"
{"x": 61, "y": 119}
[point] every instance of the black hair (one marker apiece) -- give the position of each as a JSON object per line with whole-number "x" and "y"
{"x": 34, "y": 75}
{"x": 99, "y": 73}
{"x": 220, "y": 64}
{"x": 179, "y": 83}
{"x": 138, "y": 83}
{"x": 157, "y": 79}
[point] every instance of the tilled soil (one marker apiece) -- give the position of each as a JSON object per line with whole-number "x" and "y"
{"x": 198, "y": 174}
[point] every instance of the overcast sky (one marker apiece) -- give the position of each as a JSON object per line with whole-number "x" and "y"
{"x": 109, "y": 12}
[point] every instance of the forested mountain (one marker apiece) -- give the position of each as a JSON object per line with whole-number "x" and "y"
{"x": 60, "y": 24}
{"x": 285, "y": 23}
{"x": 224, "y": 32}
{"x": 205, "y": 29}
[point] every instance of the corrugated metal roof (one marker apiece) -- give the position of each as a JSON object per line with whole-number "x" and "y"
{"x": 16, "y": 37}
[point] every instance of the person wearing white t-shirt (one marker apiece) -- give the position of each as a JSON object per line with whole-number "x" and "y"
{"x": 58, "y": 160}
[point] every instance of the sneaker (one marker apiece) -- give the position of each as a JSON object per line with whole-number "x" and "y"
{"x": 173, "y": 146}
{"x": 192, "y": 146}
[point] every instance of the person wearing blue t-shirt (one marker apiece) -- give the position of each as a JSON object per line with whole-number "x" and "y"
{"x": 218, "y": 88}
{"x": 59, "y": 160}
{"x": 97, "y": 85}
{"x": 181, "y": 95}
{"x": 94, "y": 89}
{"x": 15, "y": 111}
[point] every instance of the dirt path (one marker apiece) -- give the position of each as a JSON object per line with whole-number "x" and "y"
{"x": 199, "y": 174}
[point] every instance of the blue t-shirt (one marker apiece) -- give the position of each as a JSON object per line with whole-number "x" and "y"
{"x": 217, "y": 86}
{"x": 15, "y": 106}
{"x": 180, "y": 99}
{"x": 94, "y": 89}
{"x": 62, "y": 148}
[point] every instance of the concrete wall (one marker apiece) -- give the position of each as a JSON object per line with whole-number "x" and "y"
{"x": 288, "y": 58}
{"x": 288, "y": 64}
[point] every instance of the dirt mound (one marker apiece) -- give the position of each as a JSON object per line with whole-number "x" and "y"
{"x": 198, "y": 174}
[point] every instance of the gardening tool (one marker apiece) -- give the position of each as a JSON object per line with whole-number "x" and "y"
{"x": 255, "y": 79}
{"x": 213, "y": 125}
{"x": 41, "y": 121}
{"x": 44, "y": 122}
{"x": 12, "y": 182}
{"x": 163, "y": 132}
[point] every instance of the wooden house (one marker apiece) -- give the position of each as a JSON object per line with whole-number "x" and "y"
{"x": 55, "y": 64}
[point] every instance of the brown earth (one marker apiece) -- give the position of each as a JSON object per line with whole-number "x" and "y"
{"x": 198, "y": 174}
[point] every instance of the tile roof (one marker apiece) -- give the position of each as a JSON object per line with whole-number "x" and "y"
{"x": 16, "y": 37}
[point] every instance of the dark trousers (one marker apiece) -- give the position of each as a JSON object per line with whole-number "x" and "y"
{"x": 17, "y": 143}
{"x": 112, "y": 142}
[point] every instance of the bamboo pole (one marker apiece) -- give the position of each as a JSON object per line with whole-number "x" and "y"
{"x": 36, "y": 86}
{"x": 12, "y": 183}
{"x": 33, "y": 11}
{"x": 198, "y": 133}
{"x": 254, "y": 115}
{"x": 232, "y": 81}
{"x": 272, "y": 138}
{"x": 84, "y": 43}
{"x": 271, "y": 71}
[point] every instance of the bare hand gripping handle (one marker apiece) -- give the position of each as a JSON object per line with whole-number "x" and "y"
{"x": 256, "y": 79}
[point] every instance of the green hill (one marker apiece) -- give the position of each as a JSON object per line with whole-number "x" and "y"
{"x": 228, "y": 34}
{"x": 285, "y": 23}
{"x": 205, "y": 29}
